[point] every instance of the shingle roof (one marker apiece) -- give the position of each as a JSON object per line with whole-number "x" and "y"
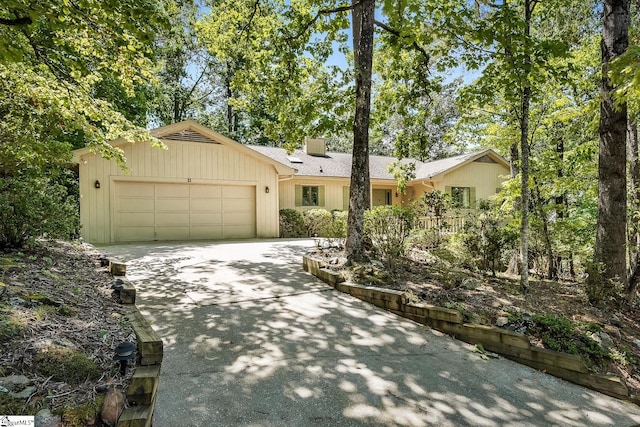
{"x": 339, "y": 164}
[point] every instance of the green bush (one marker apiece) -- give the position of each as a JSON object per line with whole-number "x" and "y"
{"x": 33, "y": 207}
{"x": 291, "y": 223}
{"x": 387, "y": 227}
{"x": 424, "y": 238}
{"x": 338, "y": 227}
{"x": 317, "y": 222}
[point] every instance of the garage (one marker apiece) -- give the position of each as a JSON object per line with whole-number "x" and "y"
{"x": 147, "y": 211}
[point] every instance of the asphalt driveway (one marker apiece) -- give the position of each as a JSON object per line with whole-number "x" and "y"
{"x": 250, "y": 339}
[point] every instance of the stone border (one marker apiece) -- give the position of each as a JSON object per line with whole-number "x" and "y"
{"x": 512, "y": 345}
{"x": 141, "y": 394}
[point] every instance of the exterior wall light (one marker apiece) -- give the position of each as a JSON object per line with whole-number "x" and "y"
{"x": 266, "y": 189}
{"x": 96, "y": 184}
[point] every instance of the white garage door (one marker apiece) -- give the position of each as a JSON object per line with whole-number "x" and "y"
{"x": 147, "y": 211}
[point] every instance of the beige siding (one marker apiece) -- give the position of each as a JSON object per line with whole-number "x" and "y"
{"x": 485, "y": 177}
{"x": 332, "y": 192}
{"x": 182, "y": 162}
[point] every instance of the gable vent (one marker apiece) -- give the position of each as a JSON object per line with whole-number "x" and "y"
{"x": 189, "y": 136}
{"x": 485, "y": 159}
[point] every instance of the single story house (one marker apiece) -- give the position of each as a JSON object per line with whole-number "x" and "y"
{"x": 207, "y": 186}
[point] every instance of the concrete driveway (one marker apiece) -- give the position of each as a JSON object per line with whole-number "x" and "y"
{"x": 252, "y": 340}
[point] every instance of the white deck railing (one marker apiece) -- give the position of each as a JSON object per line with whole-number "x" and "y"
{"x": 449, "y": 224}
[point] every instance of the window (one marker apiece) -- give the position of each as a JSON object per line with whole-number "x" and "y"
{"x": 461, "y": 197}
{"x": 310, "y": 196}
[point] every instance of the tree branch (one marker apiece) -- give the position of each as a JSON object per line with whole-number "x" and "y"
{"x": 319, "y": 14}
{"x": 256, "y": 6}
{"x": 25, "y": 20}
{"x": 396, "y": 33}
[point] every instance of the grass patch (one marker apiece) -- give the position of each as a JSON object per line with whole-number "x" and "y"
{"x": 64, "y": 364}
{"x": 11, "y": 326}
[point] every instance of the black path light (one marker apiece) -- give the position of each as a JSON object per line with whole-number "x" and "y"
{"x": 117, "y": 287}
{"x": 124, "y": 353}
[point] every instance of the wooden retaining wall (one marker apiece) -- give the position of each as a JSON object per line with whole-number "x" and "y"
{"x": 512, "y": 345}
{"x": 141, "y": 394}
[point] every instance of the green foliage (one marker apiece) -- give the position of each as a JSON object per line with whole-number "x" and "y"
{"x": 423, "y": 239}
{"x": 338, "y": 227}
{"x": 64, "y": 364}
{"x": 486, "y": 238}
{"x": 317, "y": 222}
{"x": 291, "y": 223}
{"x": 387, "y": 227}
{"x": 72, "y": 60}
{"x": 560, "y": 334}
{"x": 32, "y": 207}
{"x": 10, "y": 326}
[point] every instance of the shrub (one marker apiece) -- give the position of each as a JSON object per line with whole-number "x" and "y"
{"x": 291, "y": 223}
{"x": 317, "y": 222}
{"x": 33, "y": 207}
{"x": 424, "y": 238}
{"x": 387, "y": 227}
{"x": 338, "y": 227}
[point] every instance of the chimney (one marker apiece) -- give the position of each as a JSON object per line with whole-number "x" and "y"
{"x": 315, "y": 146}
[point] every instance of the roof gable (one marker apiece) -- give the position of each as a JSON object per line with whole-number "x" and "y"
{"x": 193, "y": 132}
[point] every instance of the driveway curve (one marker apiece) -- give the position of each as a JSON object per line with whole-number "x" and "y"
{"x": 250, "y": 339}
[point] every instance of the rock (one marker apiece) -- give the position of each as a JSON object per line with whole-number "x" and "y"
{"x": 4, "y": 390}
{"x": 377, "y": 264}
{"x": 502, "y": 321}
{"x": 15, "y": 382}
{"x": 603, "y": 339}
{"x": 616, "y": 319}
{"x": 24, "y": 394}
{"x": 18, "y": 302}
{"x": 112, "y": 406}
{"x": 637, "y": 342}
{"x": 471, "y": 283}
{"x": 45, "y": 418}
{"x": 613, "y": 331}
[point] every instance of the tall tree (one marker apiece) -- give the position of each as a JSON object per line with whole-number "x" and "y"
{"x": 359, "y": 199}
{"x": 610, "y": 252}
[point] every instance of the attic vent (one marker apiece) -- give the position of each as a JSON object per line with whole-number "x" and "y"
{"x": 294, "y": 159}
{"x": 189, "y": 136}
{"x": 485, "y": 159}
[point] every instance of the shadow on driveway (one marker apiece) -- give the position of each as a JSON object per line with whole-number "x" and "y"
{"x": 252, "y": 340}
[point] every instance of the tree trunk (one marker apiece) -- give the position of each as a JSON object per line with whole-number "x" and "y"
{"x": 524, "y": 152}
{"x": 360, "y": 199}
{"x": 634, "y": 230}
{"x": 561, "y": 199}
{"x": 232, "y": 125}
{"x": 610, "y": 253}
{"x": 552, "y": 271}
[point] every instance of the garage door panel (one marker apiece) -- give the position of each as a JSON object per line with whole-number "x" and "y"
{"x": 136, "y": 205}
{"x": 208, "y": 191}
{"x": 237, "y": 205}
{"x": 172, "y": 205}
{"x": 207, "y": 231}
{"x": 238, "y": 192}
{"x": 172, "y": 218}
{"x": 135, "y": 189}
{"x": 206, "y": 218}
{"x": 239, "y": 218}
{"x": 135, "y": 234}
{"x": 172, "y": 233}
{"x": 162, "y": 211}
{"x": 238, "y": 232}
{"x": 206, "y": 204}
{"x": 136, "y": 219}
{"x": 172, "y": 190}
